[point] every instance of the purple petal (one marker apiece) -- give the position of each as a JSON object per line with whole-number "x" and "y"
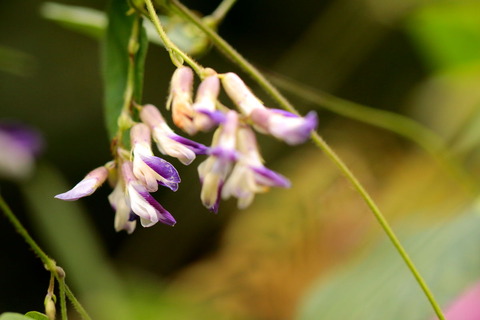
{"x": 132, "y": 216}
{"x": 23, "y": 136}
{"x": 163, "y": 215}
{"x": 172, "y": 186}
{"x": 222, "y": 153}
{"x": 216, "y": 205}
{"x": 285, "y": 113}
{"x": 216, "y": 116}
{"x": 163, "y": 168}
{"x": 270, "y": 178}
{"x": 196, "y": 147}
{"x": 82, "y": 189}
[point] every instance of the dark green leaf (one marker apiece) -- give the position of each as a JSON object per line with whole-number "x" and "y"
{"x": 36, "y": 315}
{"x": 116, "y": 60}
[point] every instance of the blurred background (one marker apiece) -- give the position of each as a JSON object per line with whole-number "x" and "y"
{"x": 310, "y": 252}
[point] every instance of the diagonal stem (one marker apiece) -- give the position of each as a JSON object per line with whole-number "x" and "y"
{"x": 49, "y": 263}
{"x": 320, "y": 143}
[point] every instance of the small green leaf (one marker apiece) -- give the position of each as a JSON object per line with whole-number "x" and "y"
{"x": 116, "y": 60}
{"x": 13, "y": 316}
{"x": 36, "y": 315}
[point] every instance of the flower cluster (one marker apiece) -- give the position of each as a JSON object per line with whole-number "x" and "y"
{"x": 233, "y": 167}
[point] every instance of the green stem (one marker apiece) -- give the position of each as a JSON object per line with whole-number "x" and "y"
{"x": 321, "y": 144}
{"x": 80, "y": 309}
{"x": 49, "y": 263}
{"x": 63, "y": 301}
{"x": 172, "y": 49}
{"x": 220, "y": 12}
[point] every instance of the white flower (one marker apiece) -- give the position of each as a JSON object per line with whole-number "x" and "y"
{"x": 250, "y": 176}
{"x": 125, "y": 219}
{"x": 147, "y": 168}
{"x": 141, "y": 201}
{"x": 168, "y": 142}
{"x": 215, "y": 169}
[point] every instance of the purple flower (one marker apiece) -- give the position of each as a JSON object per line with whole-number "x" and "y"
{"x": 284, "y": 125}
{"x": 214, "y": 170}
{"x": 147, "y": 168}
{"x": 281, "y": 124}
{"x": 249, "y": 176}
{"x": 87, "y": 186}
{"x": 141, "y": 201}
{"x": 168, "y": 142}
{"x": 19, "y": 146}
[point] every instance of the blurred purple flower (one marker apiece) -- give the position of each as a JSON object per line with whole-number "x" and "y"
{"x": 19, "y": 145}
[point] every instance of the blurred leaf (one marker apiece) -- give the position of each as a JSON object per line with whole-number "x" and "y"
{"x": 13, "y": 316}
{"x": 36, "y": 315}
{"x": 16, "y": 62}
{"x": 447, "y": 32}
{"x": 84, "y": 20}
{"x": 380, "y": 286}
{"x": 93, "y": 23}
{"x": 116, "y": 61}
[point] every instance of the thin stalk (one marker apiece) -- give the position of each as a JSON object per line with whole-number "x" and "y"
{"x": 49, "y": 263}
{"x": 172, "y": 49}
{"x": 80, "y": 309}
{"x": 63, "y": 300}
{"x": 221, "y": 11}
{"x": 320, "y": 143}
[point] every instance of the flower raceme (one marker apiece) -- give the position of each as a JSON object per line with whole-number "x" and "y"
{"x": 233, "y": 168}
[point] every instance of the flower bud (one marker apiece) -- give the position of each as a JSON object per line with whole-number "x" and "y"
{"x": 87, "y": 186}
{"x": 205, "y": 103}
{"x": 180, "y": 99}
{"x": 240, "y": 94}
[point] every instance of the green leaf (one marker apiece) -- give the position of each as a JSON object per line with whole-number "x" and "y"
{"x": 84, "y": 20}
{"x": 447, "y": 32}
{"x": 381, "y": 287}
{"x": 36, "y": 315}
{"x": 13, "y": 316}
{"x": 116, "y": 61}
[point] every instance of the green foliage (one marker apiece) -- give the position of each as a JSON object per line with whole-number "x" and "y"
{"x": 117, "y": 61}
{"x": 36, "y": 315}
{"x": 447, "y": 32}
{"x": 17, "y": 316}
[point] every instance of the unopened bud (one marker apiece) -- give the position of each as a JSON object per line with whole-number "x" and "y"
{"x": 240, "y": 94}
